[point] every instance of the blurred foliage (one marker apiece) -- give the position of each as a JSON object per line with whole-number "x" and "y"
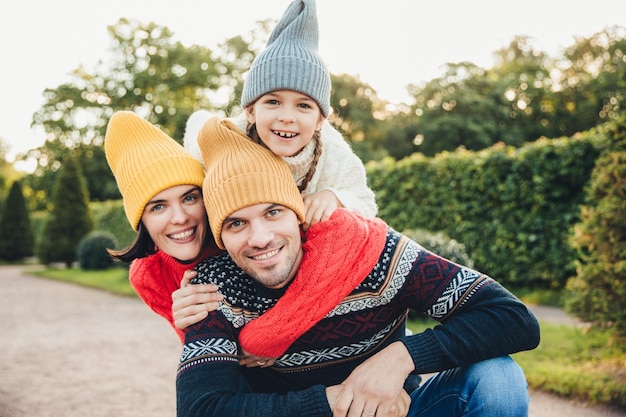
{"x": 92, "y": 252}
{"x": 18, "y": 239}
{"x": 597, "y": 292}
{"x": 526, "y": 95}
{"x": 512, "y": 208}
{"x": 69, "y": 219}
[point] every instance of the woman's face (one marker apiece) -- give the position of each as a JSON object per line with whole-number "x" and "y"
{"x": 176, "y": 221}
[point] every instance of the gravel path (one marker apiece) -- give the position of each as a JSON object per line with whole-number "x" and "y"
{"x": 69, "y": 351}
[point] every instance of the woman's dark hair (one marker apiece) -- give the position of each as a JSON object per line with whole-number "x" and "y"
{"x": 254, "y": 135}
{"x": 141, "y": 247}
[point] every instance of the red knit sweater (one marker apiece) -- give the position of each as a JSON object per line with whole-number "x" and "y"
{"x": 157, "y": 276}
{"x": 338, "y": 255}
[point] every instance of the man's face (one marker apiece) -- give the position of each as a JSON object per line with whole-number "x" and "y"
{"x": 264, "y": 241}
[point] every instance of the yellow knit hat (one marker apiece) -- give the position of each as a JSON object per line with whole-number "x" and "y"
{"x": 145, "y": 161}
{"x": 241, "y": 173}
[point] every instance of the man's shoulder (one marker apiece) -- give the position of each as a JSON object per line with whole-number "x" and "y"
{"x": 216, "y": 268}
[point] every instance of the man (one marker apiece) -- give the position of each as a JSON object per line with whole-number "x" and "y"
{"x": 350, "y": 355}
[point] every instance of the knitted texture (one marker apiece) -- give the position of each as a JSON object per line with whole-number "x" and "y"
{"x": 291, "y": 60}
{"x": 241, "y": 173}
{"x": 155, "y": 277}
{"x": 338, "y": 256}
{"x": 145, "y": 161}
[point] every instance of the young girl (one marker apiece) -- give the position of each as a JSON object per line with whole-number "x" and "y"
{"x": 286, "y": 103}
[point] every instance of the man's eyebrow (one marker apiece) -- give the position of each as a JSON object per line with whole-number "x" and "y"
{"x": 271, "y": 206}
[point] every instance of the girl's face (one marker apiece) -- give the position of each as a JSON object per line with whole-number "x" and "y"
{"x": 176, "y": 221}
{"x": 285, "y": 120}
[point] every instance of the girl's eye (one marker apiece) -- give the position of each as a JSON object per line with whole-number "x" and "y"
{"x": 304, "y": 106}
{"x": 273, "y": 212}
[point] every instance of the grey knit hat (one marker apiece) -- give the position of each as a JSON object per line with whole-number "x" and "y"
{"x": 291, "y": 61}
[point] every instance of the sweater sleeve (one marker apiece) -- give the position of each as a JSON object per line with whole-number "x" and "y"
{"x": 209, "y": 380}
{"x": 155, "y": 286}
{"x": 480, "y": 319}
{"x": 341, "y": 171}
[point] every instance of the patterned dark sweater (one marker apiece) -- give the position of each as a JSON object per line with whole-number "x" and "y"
{"x": 481, "y": 320}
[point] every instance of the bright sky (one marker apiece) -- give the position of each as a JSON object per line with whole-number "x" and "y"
{"x": 389, "y": 44}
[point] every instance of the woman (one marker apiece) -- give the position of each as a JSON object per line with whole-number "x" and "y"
{"x": 160, "y": 185}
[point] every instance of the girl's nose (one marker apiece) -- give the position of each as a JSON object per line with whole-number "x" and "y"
{"x": 286, "y": 116}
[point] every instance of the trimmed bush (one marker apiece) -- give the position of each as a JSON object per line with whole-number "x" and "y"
{"x": 92, "y": 251}
{"x": 442, "y": 245}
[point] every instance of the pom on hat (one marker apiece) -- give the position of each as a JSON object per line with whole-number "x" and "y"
{"x": 241, "y": 173}
{"x": 192, "y": 130}
{"x": 290, "y": 60}
{"x": 145, "y": 161}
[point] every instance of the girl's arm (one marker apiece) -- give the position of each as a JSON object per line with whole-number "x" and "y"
{"x": 341, "y": 171}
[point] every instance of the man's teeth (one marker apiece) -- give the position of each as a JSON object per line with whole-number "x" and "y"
{"x": 266, "y": 255}
{"x": 182, "y": 236}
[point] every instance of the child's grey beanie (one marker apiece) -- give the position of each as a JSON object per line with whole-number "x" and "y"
{"x": 291, "y": 61}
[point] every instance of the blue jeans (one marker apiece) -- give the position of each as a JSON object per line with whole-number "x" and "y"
{"x": 492, "y": 388}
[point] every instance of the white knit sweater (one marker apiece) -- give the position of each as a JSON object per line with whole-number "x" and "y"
{"x": 338, "y": 168}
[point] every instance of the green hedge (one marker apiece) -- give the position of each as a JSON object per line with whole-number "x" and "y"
{"x": 513, "y": 209}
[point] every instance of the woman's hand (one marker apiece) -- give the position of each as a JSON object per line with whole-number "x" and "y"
{"x": 193, "y": 302}
{"x": 251, "y": 361}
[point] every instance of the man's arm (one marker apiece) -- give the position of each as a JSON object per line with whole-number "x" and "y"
{"x": 487, "y": 323}
{"x": 209, "y": 380}
{"x": 480, "y": 320}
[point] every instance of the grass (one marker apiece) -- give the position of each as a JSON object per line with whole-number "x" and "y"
{"x": 573, "y": 362}
{"x": 114, "y": 280}
{"x": 580, "y": 363}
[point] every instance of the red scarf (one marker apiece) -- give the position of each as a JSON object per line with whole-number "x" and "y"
{"x": 338, "y": 255}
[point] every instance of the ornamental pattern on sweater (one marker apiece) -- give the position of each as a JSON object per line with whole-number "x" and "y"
{"x": 357, "y": 326}
{"x": 155, "y": 277}
{"x": 480, "y": 320}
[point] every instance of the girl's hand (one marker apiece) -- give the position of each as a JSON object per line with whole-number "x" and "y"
{"x": 192, "y": 303}
{"x": 251, "y": 361}
{"x": 319, "y": 207}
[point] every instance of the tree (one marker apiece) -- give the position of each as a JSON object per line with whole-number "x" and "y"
{"x": 359, "y": 114}
{"x": 148, "y": 72}
{"x": 17, "y": 241}
{"x": 69, "y": 219}
{"x": 594, "y": 79}
{"x": 597, "y": 293}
